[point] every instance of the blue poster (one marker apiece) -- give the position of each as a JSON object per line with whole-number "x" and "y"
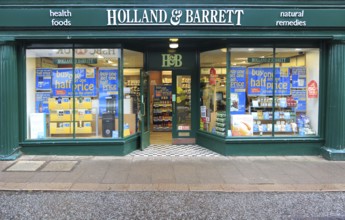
{"x": 238, "y": 90}
{"x": 260, "y": 81}
{"x": 85, "y": 82}
{"x": 43, "y": 79}
{"x": 41, "y": 104}
{"x": 299, "y": 77}
{"x": 108, "y": 91}
{"x": 301, "y": 97}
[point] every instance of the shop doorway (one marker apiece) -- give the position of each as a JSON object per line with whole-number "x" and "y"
{"x": 171, "y": 107}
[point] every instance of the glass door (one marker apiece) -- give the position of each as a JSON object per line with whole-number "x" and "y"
{"x": 144, "y": 110}
{"x": 182, "y": 105}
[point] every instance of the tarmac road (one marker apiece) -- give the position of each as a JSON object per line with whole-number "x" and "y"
{"x": 171, "y": 205}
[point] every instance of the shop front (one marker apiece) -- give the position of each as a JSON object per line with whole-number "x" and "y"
{"x": 236, "y": 79}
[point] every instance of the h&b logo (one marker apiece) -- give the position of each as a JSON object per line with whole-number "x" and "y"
{"x": 171, "y": 60}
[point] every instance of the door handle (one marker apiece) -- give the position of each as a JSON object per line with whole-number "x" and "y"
{"x": 144, "y": 106}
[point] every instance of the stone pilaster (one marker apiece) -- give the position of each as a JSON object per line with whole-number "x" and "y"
{"x": 9, "y": 116}
{"x": 334, "y": 148}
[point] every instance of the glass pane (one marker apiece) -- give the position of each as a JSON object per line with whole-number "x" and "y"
{"x": 80, "y": 102}
{"x": 48, "y": 107}
{"x": 283, "y": 108}
{"x": 183, "y": 102}
{"x": 133, "y": 63}
{"x": 297, "y": 111}
{"x": 251, "y": 88}
{"x": 213, "y": 91}
{"x": 96, "y": 93}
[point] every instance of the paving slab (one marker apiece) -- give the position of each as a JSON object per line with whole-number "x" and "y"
{"x": 5, "y": 164}
{"x": 27, "y": 165}
{"x": 60, "y": 166}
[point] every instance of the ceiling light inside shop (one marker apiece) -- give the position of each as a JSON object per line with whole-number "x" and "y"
{"x": 250, "y": 49}
{"x": 223, "y": 50}
{"x": 100, "y": 56}
{"x": 173, "y": 45}
{"x": 298, "y": 49}
{"x": 173, "y": 40}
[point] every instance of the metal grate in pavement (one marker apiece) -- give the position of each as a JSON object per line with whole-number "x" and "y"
{"x": 175, "y": 151}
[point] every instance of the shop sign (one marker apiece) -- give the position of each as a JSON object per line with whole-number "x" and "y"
{"x": 172, "y": 60}
{"x": 268, "y": 60}
{"x": 225, "y": 16}
{"x": 312, "y": 89}
{"x": 176, "y": 17}
{"x": 77, "y": 61}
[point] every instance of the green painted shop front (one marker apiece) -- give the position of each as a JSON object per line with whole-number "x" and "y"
{"x": 225, "y": 40}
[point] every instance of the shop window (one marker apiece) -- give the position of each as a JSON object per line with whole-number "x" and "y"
{"x": 133, "y": 65}
{"x": 274, "y": 94}
{"x": 72, "y": 98}
{"x": 213, "y": 91}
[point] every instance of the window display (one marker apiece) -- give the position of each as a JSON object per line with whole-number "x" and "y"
{"x": 213, "y": 92}
{"x": 273, "y": 92}
{"x": 78, "y": 98}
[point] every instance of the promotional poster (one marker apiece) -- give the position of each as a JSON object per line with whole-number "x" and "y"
{"x": 85, "y": 82}
{"x": 108, "y": 90}
{"x": 260, "y": 81}
{"x": 43, "y": 79}
{"x": 238, "y": 90}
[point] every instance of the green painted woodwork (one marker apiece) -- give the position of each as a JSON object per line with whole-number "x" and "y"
{"x": 173, "y": 2}
{"x": 9, "y": 124}
{"x": 82, "y": 147}
{"x": 145, "y": 109}
{"x": 335, "y": 104}
{"x": 260, "y": 146}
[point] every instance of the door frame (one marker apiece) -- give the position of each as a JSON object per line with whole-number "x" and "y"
{"x": 144, "y": 109}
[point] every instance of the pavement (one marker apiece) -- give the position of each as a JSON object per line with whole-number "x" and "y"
{"x": 171, "y": 173}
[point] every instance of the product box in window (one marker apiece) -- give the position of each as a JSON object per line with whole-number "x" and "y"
{"x": 59, "y": 103}
{"x": 83, "y": 103}
{"x": 60, "y": 115}
{"x": 60, "y": 128}
{"x": 242, "y": 125}
{"x": 83, "y": 115}
{"x": 82, "y": 128}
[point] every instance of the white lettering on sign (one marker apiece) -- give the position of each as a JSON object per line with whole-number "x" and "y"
{"x": 57, "y": 15}
{"x": 128, "y": 16}
{"x": 292, "y": 23}
{"x": 229, "y": 17}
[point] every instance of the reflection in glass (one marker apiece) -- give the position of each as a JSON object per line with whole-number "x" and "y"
{"x": 69, "y": 98}
{"x": 183, "y": 102}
